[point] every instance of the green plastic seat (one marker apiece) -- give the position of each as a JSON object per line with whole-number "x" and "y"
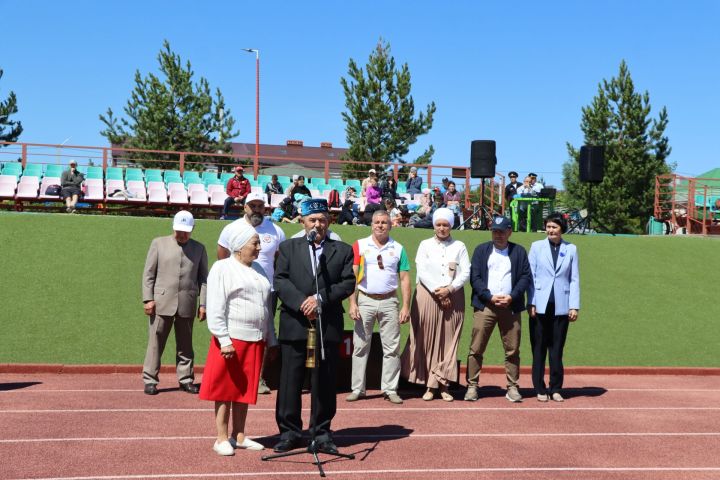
{"x": 94, "y": 174}
{"x": 336, "y": 183}
{"x": 353, "y": 183}
{"x": 53, "y": 171}
{"x": 209, "y": 175}
{"x": 94, "y": 170}
{"x": 114, "y": 175}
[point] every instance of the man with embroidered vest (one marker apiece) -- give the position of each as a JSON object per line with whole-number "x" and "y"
{"x": 294, "y": 284}
{"x": 175, "y": 274}
{"x": 500, "y": 275}
{"x": 378, "y": 263}
{"x": 238, "y": 187}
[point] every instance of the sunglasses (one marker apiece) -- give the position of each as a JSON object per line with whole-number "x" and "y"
{"x": 380, "y": 262}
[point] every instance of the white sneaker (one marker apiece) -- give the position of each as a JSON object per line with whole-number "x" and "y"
{"x": 246, "y": 444}
{"x": 223, "y": 448}
{"x": 556, "y": 397}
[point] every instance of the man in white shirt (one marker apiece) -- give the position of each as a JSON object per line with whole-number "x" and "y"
{"x": 378, "y": 263}
{"x": 500, "y": 275}
{"x": 270, "y": 238}
{"x": 534, "y": 184}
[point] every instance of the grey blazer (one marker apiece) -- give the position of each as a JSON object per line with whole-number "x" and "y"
{"x": 174, "y": 275}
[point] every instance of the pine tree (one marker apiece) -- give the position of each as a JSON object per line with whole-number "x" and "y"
{"x": 636, "y": 151}
{"x": 172, "y": 114}
{"x": 380, "y": 122}
{"x": 10, "y": 130}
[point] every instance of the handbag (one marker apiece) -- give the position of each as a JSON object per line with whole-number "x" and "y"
{"x": 53, "y": 190}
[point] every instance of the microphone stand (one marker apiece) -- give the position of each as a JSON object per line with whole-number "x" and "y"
{"x": 314, "y": 448}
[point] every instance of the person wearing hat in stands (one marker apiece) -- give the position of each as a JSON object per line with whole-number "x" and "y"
{"x": 553, "y": 302}
{"x": 500, "y": 275}
{"x": 237, "y": 189}
{"x": 295, "y": 287}
{"x": 175, "y": 275}
{"x": 372, "y": 175}
{"x": 413, "y": 184}
{"x": 511, "y": 188}
{"x": 71, "y": 183}
{"x": 241, "y": 322}
{"x": 271, "y": 236}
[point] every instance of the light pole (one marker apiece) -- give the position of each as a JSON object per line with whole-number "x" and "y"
{"x": 256, "y": 164}
{"x": 57, "y": 150}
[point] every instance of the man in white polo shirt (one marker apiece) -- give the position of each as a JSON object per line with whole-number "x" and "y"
{"x": 378, "y": 263}
{"x": 270, "y": 238}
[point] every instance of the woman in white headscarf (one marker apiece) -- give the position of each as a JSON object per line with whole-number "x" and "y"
{"x": 437, "y": 310}
{"x": 240, "y": 320}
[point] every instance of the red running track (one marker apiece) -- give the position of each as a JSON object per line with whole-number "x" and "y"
{"x": 611, "y": 427}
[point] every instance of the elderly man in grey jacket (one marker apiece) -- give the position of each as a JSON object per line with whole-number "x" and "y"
{"x": 175, "y": 274}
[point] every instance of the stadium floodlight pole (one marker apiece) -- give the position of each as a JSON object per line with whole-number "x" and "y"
{"x": 256, "y": 164}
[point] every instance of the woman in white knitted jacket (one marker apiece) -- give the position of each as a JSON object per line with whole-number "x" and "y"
{"x": 240, "y": 320}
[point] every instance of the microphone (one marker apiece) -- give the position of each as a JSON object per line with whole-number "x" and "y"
{"x": 312, "y": 235}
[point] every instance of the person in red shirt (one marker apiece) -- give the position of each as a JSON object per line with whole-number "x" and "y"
{"x": 237, "y": 189}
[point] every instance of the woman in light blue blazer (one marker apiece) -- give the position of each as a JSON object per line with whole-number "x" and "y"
{"x": 554, "y": 302}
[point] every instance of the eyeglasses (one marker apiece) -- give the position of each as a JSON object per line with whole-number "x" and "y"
{"x": 380, "y": 262}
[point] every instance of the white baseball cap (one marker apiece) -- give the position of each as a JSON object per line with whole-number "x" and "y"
{"x": 255, "y": 196}
{"x": 183, "y": 221}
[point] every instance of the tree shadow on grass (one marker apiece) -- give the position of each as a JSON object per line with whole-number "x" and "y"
{"x": 4, "y": 387}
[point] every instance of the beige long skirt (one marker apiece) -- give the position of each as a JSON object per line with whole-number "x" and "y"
{"x": 430, "y": 355}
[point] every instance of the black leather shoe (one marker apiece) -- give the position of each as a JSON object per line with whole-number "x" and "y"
{"x": 327, "y": 447}
{"x": 151, "y": 389}
{"x": 189, "y": 387}
{"x": 286, "y": 445}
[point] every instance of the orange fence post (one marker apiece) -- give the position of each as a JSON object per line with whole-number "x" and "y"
{"x": 24, "y": 155}
{"x": 105, "y": 159}
{"x": 182, "y": 164}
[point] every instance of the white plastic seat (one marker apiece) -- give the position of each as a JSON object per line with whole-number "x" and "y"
{"x": 8, "y": 179}
{"x": 140, "y": 195}
{"x": 316, "y": 193}
{"x": 30, "y": 179}
{"x": 27, "y": 190}
{"x": 213, "y": 187}
{"x": 176, "y": 186}
{"x": 154, "y": 185}
{"x": 178, "y": 197}
{"x": 95, "y": 182}
{"x": 46, "y": 182}
{"x": 257, "y": 189}
{"x": 199, "y": 197}
{"x": 7, "y": 190}
{"x": 196, "y": 187}
{"x": 137, "y": 184}
{"x": 218, "y": 198}
{"x": 157, "y": 195}
{"x": 94, "y": 193}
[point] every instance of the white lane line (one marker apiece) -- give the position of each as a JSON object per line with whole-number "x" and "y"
{"x": 423, "y": 471}
{"x": 378, "y": 409}
{"x": 569, "y": 390}
{"x": 381, "y": 436}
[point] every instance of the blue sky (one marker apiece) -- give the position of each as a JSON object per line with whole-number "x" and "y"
{"x": 515, "y": 72}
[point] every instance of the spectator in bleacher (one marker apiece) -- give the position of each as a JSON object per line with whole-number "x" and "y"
{"x": 241, "y": 322}
{"x": 373, "y": 194}
{"x": 71, "y": 183}
{"x": 393, "y": 211}
{"x": 413, "y": 184}
{"x": 389, "y": 189}
{"x": 286, "y": 212}
{"x": 438, "y": 310}
{"x": 444, "y": 185}
{"x": 451, "y": 197}
{"x": 500, "y": 275}
{"x": 372, "y": 175}
{"x": 512, "y": 187}
{"x": 270, "y": 238}
{"x": 534, "y": 184}
{"x": 175, "y": 275}
{"x": 273, "y": 186}
{"x": 237, "y": 189}
{"x": 553, "y": 302}
{"x": 298, "y": 186}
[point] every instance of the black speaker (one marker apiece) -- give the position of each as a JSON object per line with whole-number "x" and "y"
{"x": 592, "y": 163}
{"x": 482, "y": 159}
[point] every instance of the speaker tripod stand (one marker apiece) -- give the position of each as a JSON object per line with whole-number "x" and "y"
{"x": 313, "y": 449}
{"x": 480, "y": 212}
{"x": 583, "y": 226}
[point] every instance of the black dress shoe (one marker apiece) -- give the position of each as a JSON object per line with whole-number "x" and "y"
{"x": 327, "y": 447}
{"x": 286, "y": 445}
{"x": 189, "y": 387}
{"x": 151, "y": 389}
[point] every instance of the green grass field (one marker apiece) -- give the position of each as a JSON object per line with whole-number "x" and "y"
{"x": 70, "y": 290}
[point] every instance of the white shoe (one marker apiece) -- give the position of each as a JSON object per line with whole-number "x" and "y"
{"x": 223, "y": 448}
{"x": 542, "y": 397}
{"x": 246, "y": 444}
{"x": 556, "y": 397}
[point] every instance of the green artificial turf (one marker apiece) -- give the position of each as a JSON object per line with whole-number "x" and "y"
{"x": 71, "y": 293}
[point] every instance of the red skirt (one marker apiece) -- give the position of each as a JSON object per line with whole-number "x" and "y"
{"x": 233, "y": 379}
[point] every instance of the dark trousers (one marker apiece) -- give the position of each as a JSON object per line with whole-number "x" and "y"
{"x": 229, "y": 202}
{"x": 547, "y": 334}
{"x": 323, "y": 393}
